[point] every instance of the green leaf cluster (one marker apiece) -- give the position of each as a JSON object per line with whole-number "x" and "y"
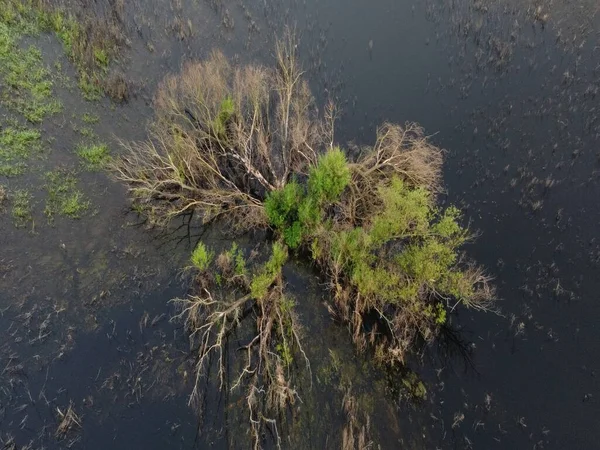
{"x": 226, "y": 111}
{"x": 328, "y": 179}
{"x": 295, "y": 211}
{"x": 202, "y": 257}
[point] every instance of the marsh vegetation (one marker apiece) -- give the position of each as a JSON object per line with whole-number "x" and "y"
{"x": 247, "y": 146}
{"x": 337, "y": 317}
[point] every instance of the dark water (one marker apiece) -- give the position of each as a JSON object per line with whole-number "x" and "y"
{"x": 513, "y": 103}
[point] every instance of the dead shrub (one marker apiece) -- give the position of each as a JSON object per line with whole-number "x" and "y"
{"x": 221, "y": 302}
{"x": 223, "y": 138}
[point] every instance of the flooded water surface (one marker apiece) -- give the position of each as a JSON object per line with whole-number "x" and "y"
{"x": 89, "y": 357}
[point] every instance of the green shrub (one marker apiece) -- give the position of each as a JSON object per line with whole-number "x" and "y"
{"x": 235, "y": 255}
{"x": 202, "y": 257}
{"x": 406, "y": 212}
{"x": 94, "y": 156}
{"x": 282, "y": 208}
{"x": 328, "y": 179}
{"x": 269, "y": 273}
{"x": 282, "y": 205}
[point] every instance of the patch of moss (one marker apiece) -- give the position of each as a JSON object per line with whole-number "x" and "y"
{"x": 63, "y": 196}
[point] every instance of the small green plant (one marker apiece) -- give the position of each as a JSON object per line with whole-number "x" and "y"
{"x": 21, "y": 208}
{"x": 282, "y": 208}
{"x": 202, "y": 257}
{"x": 270, "y": 272}
{"x": 63, "y": 196}
{"x": 94, "y": 156}
{"x": 413, "y": 386}
{"x": 285, "y": 352}
{"x": 226, "y": 110}
{"x": 236, "y": 256}
{"x": 101, "y": 57}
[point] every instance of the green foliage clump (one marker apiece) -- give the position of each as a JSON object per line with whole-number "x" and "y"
{"x": 406, "y": 212}
{"x": 94, "y": 156}
{"x": 282, "y": 208}
{"x": 270, "y": 272}
{"x": 282, "y": 205}
{"x": 404, "y": 255}
{"x": 328, "y": 179}
{"x": 63, "y": 196}
{"x": 296, "y": 211}
{"x": 202, "y": 257}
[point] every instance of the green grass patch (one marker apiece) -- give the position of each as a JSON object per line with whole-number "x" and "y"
{"x": 21, "y": 208}
{"x": 93, "y": 156}
{"x": 63, "y": 196}
{"x": 17, "y": 145}
{"x": 26, "y": 82}
{"x": 90, "y": 51}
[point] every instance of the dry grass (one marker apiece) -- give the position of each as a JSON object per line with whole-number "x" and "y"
{"x": 69, "y": 420}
